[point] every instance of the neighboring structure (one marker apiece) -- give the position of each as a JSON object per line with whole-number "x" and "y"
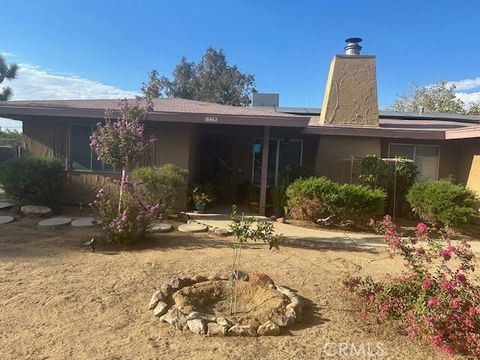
{"x": 217, "y": 143}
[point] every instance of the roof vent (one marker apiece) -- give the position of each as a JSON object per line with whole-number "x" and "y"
{"x": 353, "y": 46}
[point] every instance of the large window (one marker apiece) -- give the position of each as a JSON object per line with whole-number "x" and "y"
{"x": 283, "y": 156}
{"x": 425, "y": 157}
{"x": 82, "y": 157}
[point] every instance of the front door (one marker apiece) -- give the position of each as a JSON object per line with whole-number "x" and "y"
{"x": 216, "y": 165}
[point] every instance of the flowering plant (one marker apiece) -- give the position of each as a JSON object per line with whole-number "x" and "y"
{"x": 120, "y": 142}
{"x": 435, "y": 297}
{"x": 135, "y": 219}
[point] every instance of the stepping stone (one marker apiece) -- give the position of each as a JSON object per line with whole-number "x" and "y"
{"x": 222, "y": 232}
{"x": 5, "y": 204}
{"x": 36, "y": 211}
{"x": 161, "y": 228}
{"x": 58, "y": 221}
{"x": 5, "y": 219}
{"x": 85, "y": 222}
{"x": 192, "y": 227}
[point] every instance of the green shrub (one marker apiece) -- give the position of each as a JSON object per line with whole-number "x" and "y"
{"x": 312, "y": 198}
{"x": 316, "y": 197}
{"x": 132, "y": 222}
{"x": 160, "y": 185}
{"x": 358, "y": 202}
{"x": 442, "y": 203}
{"x": 33, "y": 180}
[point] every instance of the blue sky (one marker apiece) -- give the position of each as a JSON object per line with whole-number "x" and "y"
{"x": 105, "y": 48}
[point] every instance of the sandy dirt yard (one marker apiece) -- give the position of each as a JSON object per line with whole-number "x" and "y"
{"x": 60, "y": 302}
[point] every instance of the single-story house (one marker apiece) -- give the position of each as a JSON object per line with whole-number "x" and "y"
{"x": 217, "y": 142}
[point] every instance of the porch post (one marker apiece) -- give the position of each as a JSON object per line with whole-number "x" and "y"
{"x": 263, "y": 181}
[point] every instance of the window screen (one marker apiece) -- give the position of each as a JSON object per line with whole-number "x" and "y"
{"x": 82, "y": 157}
{"x": 283, "y": 156}
{"x": 289, "y": 159}
{"x": 425, "y": 157}
{"x": 80, "y": 152}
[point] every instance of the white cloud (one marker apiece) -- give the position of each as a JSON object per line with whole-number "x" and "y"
{"x": 33, "y": 83}
{"x": 469, "y": 98}
{"x": 466, "y": 84}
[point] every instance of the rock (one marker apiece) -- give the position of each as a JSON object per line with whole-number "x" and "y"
{"x": 280, "y": 220}
{"x": 224, "y": 322}
{"x": 222, "y": 232}
{"x": 6, "y": 219}
{"x": 214, "y": 278}
{"x": 175, "y": 318}
{"x": 198, "y": 278}
{"x": 296, "y": 307}
{"x": 194, "y": 315}
{"x": 214, "y": 329}
{"x": 58, "y": 221}
{"x": 242, "y": 330}
{"x": 283, "y": 320}
{"x": 241, "y": 275}
{"x": 268, "y": 329}
{"x": 273, "y": 218}
{"x": 196, "y": 326}
{"x": 285, "y": 291}
{"x": 156, "y": 297}
{"x": 36, "y": 211}
{"x": 183, "y": 217}
{"x": 261, "y": 279}
{"x": 160, "y": 309}
{"x": 166, "y": 290}
{"x": 161, "y": 228}
{"x": 296, "y": 298}
{"x": 192, "y": 227}
{"x": 177, "y": 283}
{"x": 254, "y": 323}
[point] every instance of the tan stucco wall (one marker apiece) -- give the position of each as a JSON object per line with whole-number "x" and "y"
{"x": 469, "y": 164}
{"x": 351, "y": 92}
{"x": 332, "y": 150}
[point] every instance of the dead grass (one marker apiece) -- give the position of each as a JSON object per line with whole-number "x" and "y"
{"x": 58, "y": 301}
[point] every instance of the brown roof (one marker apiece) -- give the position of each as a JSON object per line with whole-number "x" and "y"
{"x": 401, "y": 128}
{"x": 182, "y": 110}
{"x": 174, "y": 109}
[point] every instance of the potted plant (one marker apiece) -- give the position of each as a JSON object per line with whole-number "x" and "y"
{"x": 202, "y": 195}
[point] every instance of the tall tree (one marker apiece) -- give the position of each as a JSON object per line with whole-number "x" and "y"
{"x": 439, "y": 97}
{"x": 7, "y": 73}
{"x": 474, "y": 109}
{"x": 154, "y": 87}
{"x": 212, "y": 79}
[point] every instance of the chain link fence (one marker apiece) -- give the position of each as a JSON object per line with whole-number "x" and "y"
{"x": 9, "y": 149}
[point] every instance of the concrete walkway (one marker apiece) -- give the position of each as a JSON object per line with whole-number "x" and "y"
{"x": 312, "y": 238}
{"x": 301, "y": 236}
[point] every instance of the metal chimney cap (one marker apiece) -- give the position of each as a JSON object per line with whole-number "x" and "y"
{"x": 353, "y": 46}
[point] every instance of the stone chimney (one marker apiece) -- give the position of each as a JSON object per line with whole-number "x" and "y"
{"x": 351, "y": 91}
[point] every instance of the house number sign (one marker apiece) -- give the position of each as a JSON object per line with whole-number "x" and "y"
{"x": 212, "y": 119}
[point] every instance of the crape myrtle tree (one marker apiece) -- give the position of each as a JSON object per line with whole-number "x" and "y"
{"x": 213, "y": 79}
{"x": 7, "y": 73}
{"x": 120, "y": 142}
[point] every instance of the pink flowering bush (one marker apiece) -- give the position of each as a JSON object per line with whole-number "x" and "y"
{"x": 435, "y": 297}
{"x": 135, "y": 219}
{"x": 120, "y": 142}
